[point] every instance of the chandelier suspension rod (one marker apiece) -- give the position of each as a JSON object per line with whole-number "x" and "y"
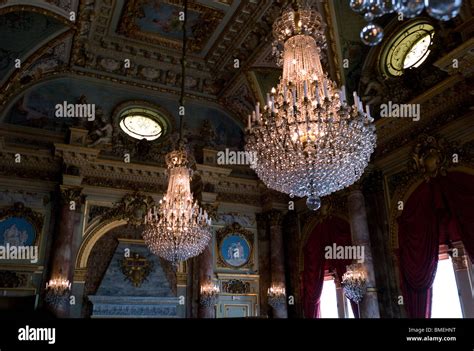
{"x": 183, "y": 72}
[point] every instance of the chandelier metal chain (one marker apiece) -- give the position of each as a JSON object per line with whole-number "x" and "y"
{"x": 179, "y": 228}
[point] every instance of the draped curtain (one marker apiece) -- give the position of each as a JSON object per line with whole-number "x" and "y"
{"x": 331, "y": 230}
{"x": 438, "y": 212}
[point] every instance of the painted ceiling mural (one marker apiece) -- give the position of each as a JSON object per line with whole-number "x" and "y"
{"x": 22, "y": 38}
{"x": 158, "y": 22}
{"x": 36, "y": 108}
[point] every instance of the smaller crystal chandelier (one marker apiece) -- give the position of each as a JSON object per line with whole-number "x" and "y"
{"x": 372, "y": 34}
{"x": 209, "y": 295}
{"x": 276, "y": 296}
{"x": 354, "y": 283}
{"x": 58, "y": 291}
{"x": 179, "y": 228}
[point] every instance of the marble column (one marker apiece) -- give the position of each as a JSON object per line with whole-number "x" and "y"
{"x": 263, "y": 263}
{"x": 464, "y": 277}
{"x": 383, "y": 257}
{"x": 205, "y": 278}
{"x": 275, "y": 219}
{"x": 291, "y": 242}
{"x": 369, "y": 307}
{"x": 62, "y": 258}
{"x": 341, "y": 306}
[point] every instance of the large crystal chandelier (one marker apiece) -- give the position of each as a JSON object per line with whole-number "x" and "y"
{"x": 372, "y": 34}
{"x": 179, "y": 228}
{"x": 308, "y": 140}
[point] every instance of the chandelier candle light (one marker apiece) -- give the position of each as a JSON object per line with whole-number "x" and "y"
{"x": 308, "y": 139}
{"x": 179, "y": 228}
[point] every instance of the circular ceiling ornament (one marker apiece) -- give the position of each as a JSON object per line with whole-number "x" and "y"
{"x": 408, "y": 48}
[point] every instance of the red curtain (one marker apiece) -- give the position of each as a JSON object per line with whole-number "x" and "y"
{"x": 332, "y": 230}
{"x": 438, "y": 211}
{"x": 458, "y": 189}
{"x": 313, "y": 274}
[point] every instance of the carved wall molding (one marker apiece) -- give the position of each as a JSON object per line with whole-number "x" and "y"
{"x": 440, "y": 105}
{"x": 235, "y": 286}
{"x": 11, "y": 279}
{"x": 8, "y": 196}
{"x": 132, "y": 208}
{"x": 430, "y": 156}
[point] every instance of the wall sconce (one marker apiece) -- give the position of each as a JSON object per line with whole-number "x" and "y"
{"x": 58, "y": 291}
{"x": 276, "y": 296}
{"x": 354, "y": 283}
{"x": 209, "y": 294}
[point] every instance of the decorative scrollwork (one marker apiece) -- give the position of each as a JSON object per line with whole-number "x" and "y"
{"x": 136, "y": 268}
{"x": 430, "y": 156}
{"x": 235, "y": 286}
{"x": 132, "y": 208}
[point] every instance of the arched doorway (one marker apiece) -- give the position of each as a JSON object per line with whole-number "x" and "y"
{"x": 123, "y": 279}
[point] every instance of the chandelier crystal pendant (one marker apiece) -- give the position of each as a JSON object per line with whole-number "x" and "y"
{"x": 179, "y": 229}
{"x": 372, "y": 34}
{"x": 308, "y": 140}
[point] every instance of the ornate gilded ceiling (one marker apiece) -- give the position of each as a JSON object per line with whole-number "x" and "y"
{"x": 105, "y": 35}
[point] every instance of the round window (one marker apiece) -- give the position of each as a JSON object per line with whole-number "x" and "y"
{"x": 407, "y": 49}
{"x": 142, "y": 123}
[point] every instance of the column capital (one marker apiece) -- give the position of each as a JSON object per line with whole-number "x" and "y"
{"x": 355, "y": 200}
{"x": 275, "y": 218}
{"x": 71, "y": 193}
{"x": 211, "y": 209}
{"x": 261, "y": 219}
